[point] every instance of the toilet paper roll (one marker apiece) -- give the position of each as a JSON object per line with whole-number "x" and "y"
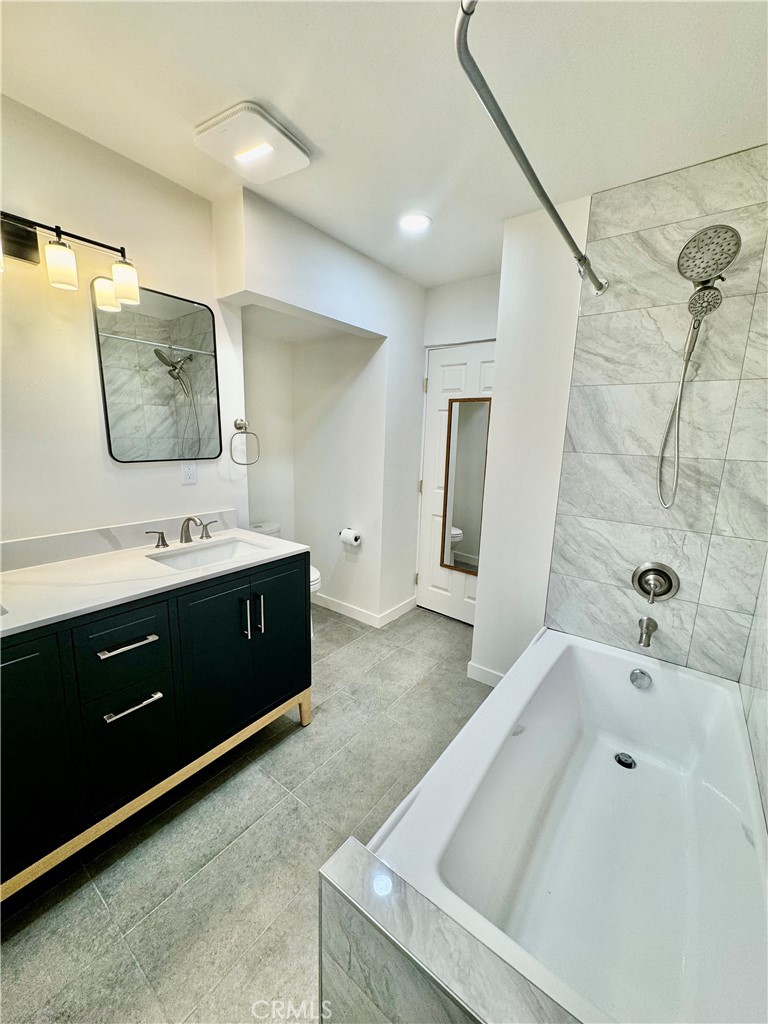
{"x": 351, "y": 537}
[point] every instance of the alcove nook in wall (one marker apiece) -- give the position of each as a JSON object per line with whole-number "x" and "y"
{"x": 316, "y": 395}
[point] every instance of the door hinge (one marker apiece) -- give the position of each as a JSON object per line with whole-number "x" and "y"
{"x": 421, "y": 484}
{"x": 426, "y": 385}
{"x": 417, "y": 578}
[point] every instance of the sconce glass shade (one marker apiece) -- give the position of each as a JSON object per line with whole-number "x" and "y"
{"x": 104, "y": 294}
{"x": 62, "y": 265}
{"x": 126, "y": 282}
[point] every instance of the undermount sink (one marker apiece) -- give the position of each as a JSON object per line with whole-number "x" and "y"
{"x": 200, "y": 553}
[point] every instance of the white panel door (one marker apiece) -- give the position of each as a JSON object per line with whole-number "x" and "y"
{"x": 461, "y": 371}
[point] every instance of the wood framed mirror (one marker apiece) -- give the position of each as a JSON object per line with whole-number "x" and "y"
{"x": 466, "y": 447}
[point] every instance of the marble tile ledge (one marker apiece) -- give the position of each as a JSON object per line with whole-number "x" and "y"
{"x": 385, "y": 946}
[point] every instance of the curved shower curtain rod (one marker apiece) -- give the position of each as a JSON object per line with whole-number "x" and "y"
{"x": 481, "y": 87}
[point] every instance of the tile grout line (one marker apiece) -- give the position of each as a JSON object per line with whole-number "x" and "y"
{"x": 207, "y": 863}
{"x": 246, "y": 951}
{"x": 671, "y": 223}
{"x": 652, "y": 526}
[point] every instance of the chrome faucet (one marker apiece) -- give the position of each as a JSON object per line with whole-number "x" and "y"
{"x": 186, "y": 536}
{"x": 647, "y": 628}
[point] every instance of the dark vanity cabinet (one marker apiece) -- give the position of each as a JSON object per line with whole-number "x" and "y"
{"x": 98, "y": 710}
{"x": 241, "y": 651}
{"x": 39, "y": 801}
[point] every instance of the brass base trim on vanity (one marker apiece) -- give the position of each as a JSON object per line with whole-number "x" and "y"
{"x": 304, "y": 702}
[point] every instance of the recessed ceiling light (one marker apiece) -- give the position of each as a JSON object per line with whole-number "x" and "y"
{"x": 415, "y": 222}
{"x": 253, "y": 154}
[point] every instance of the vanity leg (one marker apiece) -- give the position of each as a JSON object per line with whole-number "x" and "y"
{"x": 305, "y": 708}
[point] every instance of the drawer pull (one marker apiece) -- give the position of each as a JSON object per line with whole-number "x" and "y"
{"x": 247, "y": 631}
{"x": 110, "y": 653}
{"x": 150, "y": 700}
{"x": 262, "y": 626}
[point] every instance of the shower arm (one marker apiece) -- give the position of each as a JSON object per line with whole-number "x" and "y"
{"x": 481, "y": 87}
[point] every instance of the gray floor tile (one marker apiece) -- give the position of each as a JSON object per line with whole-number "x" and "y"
{"x": 322, "y": 617}
{"x": 191, "y": 941}
{"x": 445, "y": 693}
{"x": 357, "y": 657}
{"x": 349, "y": 785}
{"x": 372, "y": 822}
{"x": 112, "y": 990}
{"x": 293, "y": 755}
{"x": 401, "y": 630}
{"x": 325, "y": 681}
{"x": 280, "y": 966}
{"x": 49, "y": 942}
{"x": 140, "y": 872}
{"x": 381, "y": 685}
{"x": 449, "y": 640}
{"x": 332, "y": 637}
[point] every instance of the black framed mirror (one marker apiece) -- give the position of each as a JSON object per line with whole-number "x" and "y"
{"x": 159, "y": 379}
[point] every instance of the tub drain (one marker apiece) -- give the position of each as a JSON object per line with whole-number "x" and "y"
{"x": 625, "y": 760}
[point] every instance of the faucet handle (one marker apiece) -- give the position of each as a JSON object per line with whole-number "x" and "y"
{"x": 205, "y": 535}
{"x": 161, "y": 541}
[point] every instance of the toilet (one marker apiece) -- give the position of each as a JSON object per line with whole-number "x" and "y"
{"x": 457, "y": 536}
{"x": 272, "y": 529}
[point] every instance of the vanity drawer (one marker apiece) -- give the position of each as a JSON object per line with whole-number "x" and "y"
{"x": 121, "y": 650}
{"x": 131, "y": 741}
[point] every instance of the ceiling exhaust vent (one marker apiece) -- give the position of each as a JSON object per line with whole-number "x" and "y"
{"x": 251, "y": 143}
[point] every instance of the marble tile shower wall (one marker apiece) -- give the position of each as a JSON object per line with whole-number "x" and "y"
{"x": 627, "y": 362}
{"x": 147, "y": 409}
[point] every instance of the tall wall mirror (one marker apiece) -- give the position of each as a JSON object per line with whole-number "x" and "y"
{"x": 465, "y": 454}
{"x": 159, "y": 379}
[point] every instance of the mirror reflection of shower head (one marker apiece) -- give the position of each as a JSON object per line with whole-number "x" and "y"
{"x": 164, "y": 358}
{"x": 175, "y": 368}
{"x": 709, "y": 253}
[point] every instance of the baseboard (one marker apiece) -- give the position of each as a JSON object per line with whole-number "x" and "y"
{"x": 483, "y": 675}
{"x": 360, "y": 614}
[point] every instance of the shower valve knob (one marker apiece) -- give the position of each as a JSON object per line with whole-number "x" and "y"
{"x": 655, "y": 581}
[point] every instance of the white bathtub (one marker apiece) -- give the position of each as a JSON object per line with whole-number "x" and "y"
{"x": 630, "y": 895}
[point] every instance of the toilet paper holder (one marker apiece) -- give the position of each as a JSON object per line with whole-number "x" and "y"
{"x": 241, "y": 430}
{"x": 350, "y": 537}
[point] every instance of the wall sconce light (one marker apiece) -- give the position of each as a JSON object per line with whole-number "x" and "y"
{"x": 125, "y": 282}
{"x": 104, "y": 294}
{"x": 61, "y": 264}
{"x": 20, "y": 241}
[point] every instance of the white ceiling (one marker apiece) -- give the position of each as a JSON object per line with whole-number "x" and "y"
{"x": 598, "y": 93}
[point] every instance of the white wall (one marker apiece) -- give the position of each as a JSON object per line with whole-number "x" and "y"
{"x": 462, "y": 311}
{"x": 538, "y": 310}
{"x": 57, "y": 472}
{"x": 339, "y": 406}
{"x": 296, "y": 269}
{"x": 269, "y": 408}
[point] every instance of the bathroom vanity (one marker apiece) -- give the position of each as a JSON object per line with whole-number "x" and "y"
{"x": 123, "y": 674}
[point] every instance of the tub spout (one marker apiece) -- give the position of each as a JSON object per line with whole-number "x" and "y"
{"x": 647, "y": 628}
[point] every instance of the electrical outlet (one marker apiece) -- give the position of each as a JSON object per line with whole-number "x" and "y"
{"x": 189, "y": 472}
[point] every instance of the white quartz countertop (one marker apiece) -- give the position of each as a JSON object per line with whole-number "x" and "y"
{"x": 43, "y": 594}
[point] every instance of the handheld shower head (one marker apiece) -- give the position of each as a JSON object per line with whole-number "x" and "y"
{"x": 705, "y": 299}
{"x": 708, "y": 253}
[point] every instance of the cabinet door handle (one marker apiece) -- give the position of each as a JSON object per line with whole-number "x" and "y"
{"x": 121, "y": 714}
{"x": 112, "y": 651}
{"x": 247, "y": 631}
{"x": 262, "y": 626}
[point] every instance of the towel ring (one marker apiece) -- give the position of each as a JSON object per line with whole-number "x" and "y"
{"x": 241, "y": 430}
